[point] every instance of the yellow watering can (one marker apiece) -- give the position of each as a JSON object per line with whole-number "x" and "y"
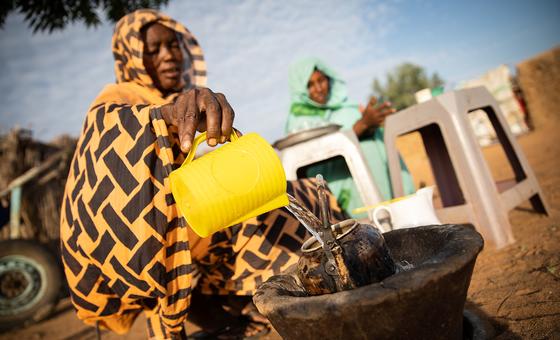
{"x": 240, "y": 180}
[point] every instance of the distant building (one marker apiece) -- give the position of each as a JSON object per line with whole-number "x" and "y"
{"x": 504, "y": 88}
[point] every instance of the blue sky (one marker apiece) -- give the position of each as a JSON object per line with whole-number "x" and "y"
{"x": 48, "y": 81}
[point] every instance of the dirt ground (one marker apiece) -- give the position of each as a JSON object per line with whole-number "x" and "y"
{"x": 516, "y": 288}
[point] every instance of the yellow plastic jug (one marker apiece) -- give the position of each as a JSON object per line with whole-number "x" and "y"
{"x": 240, "y": 180}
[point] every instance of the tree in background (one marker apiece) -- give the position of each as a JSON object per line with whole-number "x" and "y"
{"x": 403, "y": 82}
{"x": 50, "y": 15}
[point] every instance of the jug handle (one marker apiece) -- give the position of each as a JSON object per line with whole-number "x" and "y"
{"x": 376, "y": 222}
{"x": 199, "y": 139}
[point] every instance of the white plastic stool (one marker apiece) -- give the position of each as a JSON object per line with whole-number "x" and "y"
{"x": 304, "y": 148}
{"x": 464, "y": 180}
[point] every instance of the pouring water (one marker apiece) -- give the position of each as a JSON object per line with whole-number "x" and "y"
{"x": 305, "y": 217}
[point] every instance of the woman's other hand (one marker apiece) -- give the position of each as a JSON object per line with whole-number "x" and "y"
{"x": 373, "y": 116}
{"x": 202, "y": 110}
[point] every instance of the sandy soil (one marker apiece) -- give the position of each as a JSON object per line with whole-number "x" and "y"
{"x": 517, "y": 288}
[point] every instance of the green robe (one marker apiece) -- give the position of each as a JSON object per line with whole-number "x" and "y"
{"x": 306, "y": 114}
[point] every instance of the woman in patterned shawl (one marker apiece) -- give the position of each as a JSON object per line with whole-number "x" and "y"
{"x": 125, "y": 247}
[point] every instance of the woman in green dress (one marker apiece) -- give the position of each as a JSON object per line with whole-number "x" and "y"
{"x": 319, "y": 98}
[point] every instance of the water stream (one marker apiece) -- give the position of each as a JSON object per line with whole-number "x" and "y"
{"x": 305, "y": 217}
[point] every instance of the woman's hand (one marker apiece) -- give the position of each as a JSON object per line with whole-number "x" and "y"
{"x": 373, "y": 116}
{"x": 202, "y": 110}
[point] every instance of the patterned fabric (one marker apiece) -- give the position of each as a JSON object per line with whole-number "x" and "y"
{"x": 125, "y": 248}
{"x": 128, "y": 47}
{"x": 238, "y": 259}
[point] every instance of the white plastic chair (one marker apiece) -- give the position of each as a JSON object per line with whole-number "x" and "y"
{"x": 465, "y": 183}
{"x": 302, "y": 149}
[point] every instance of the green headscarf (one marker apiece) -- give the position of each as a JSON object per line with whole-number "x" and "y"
{"x": 298, "y": 77}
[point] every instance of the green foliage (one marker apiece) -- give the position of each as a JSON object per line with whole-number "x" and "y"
{"x": 403, "y": 82}
{"x": 50, "y": 15}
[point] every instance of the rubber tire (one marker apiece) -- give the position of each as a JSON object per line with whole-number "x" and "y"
{"x": 51, "y": 277}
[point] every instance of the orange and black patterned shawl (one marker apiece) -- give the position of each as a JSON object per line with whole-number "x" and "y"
{"x": 119, "y": 223}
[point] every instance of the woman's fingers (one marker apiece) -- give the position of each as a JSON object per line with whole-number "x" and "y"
{"x": 208, "y": 104}
{"x": 187, "y": 113}
{"x": 202, "y": 110}
{"x": 387, "y": 111}
{"x": 372, "y": 101}
{"x": 384, "y": 105}
{"x": 227, "y": 117}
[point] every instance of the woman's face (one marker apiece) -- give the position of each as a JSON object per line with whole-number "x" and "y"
{"x": 318, "y": 87}
{"x": 163, "y": 58}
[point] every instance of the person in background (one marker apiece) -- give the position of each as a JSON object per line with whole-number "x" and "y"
{"x": 319, "y": 98}
{"x": 125, "y": 246}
